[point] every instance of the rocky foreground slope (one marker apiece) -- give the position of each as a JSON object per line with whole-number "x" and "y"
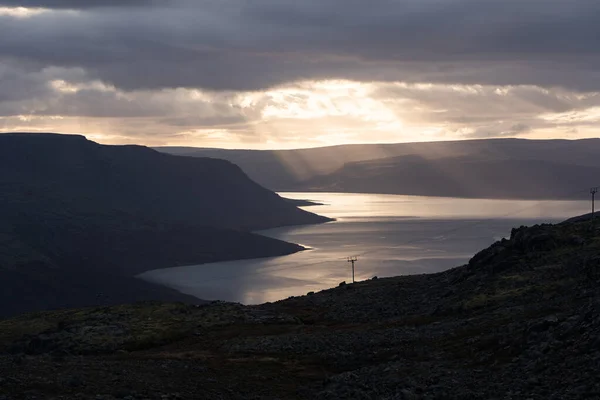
{"x": 520, "y": 321}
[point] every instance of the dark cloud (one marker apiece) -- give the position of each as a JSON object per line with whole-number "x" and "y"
{"x": 78, "y": 4}
{"x": 15, "y": 86}
{"x": 19, "y": 83}
{"x": 240, "y": 45}
{"x": 519, "y": 128}
{"x": 49, "y": 97}
{"x": 143, "y": 46}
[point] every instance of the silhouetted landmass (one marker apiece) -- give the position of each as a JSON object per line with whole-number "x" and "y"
{"x": 520, "y": 320}
{"x": 78, "y": 220}
{"x": 462, "y": 177}
{"x": 140, "y": 181}
{"x": 297, "y": 170}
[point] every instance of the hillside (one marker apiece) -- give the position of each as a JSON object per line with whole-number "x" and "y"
{"x": 519, "y": 321}
{"x": 140, "y": 181}
{"x": 294, "y": 170}
{"x": 78, "y": 220}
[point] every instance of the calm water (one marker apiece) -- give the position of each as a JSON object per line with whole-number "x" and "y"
{"x": 391, "y": 235}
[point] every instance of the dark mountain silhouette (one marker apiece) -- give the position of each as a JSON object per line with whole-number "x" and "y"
{"x": 294, "y": 170}
{"x": 78, "y": 220}
{"x": 142, "y": 182}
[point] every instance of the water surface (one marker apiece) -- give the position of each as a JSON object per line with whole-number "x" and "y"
{"x": 390, "y": 235}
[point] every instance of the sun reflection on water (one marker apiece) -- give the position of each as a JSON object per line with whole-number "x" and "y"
{"x": 393, "y": 235}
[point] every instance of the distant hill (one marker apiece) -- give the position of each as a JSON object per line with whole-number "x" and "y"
{"x": 296, "y": 170}
{"x": 461, "y": 177}
{"x": 78, "y": 220}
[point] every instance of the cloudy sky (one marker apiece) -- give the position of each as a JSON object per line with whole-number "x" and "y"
{"x": 289, "y": 73}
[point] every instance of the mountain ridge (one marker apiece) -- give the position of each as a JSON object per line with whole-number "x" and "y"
{"x": 293, "y": 170}
{"x": 461, "y": 177}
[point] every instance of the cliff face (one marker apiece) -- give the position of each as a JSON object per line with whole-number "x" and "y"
{"x": 521, "y": 320}
{"x": 78, "y": 220}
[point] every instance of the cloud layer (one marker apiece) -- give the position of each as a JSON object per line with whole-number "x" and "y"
{"x": 461, "y": 68}
{"x": 77, "y": 4}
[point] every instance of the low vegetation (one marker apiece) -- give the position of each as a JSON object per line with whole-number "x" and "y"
{"x": 519, "y": 321}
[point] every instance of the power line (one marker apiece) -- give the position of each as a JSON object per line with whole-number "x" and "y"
{"x": 352, "y": 260}
{"x": 593, "y": 191}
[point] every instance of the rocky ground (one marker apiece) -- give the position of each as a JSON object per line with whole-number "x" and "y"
{"x": 520, "y": 321}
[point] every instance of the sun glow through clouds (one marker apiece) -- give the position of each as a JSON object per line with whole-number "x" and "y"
{"x": 303, "y": 114}
{"x": 21, "y": 12}
{"x": 590, "y": 115}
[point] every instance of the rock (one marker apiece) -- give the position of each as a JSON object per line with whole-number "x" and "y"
{"x": 533, "y": 381}
{"x": 545, "y": 324}
{"x": 122, "y": 393}
{"x": 58, "y": 356}
{"x": 18, "y": 359}
{"x": 577, "y": 240}
{"x": 75, "y": 381}
{"x": 39, "y": 345}
{"x": 342, "y": 284}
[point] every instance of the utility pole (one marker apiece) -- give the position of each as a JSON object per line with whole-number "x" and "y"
{"x": 593, "y": 191}
{"x": 352, "y": 260}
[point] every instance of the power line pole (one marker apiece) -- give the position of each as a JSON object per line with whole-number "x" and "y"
{"x": 352, "y": 260}
{"x": 593, "y": 191}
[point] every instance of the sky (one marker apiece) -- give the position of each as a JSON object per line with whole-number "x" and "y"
{"x": 287, "y": 73}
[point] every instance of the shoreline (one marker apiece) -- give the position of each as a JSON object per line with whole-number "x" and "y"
{"x": 568, "y": 197}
